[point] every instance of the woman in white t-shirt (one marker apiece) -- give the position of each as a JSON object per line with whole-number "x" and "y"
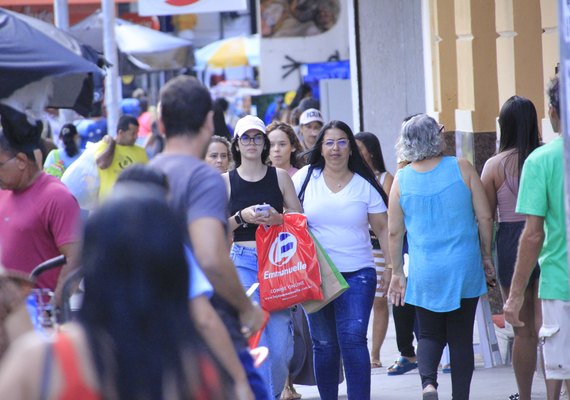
{"x": 341, "y": 198}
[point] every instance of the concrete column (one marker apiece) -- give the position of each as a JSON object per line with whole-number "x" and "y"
{"x": 444, "y": 66}
{"x": 477, "y": 87}
{"x": 392, "y": 83}
{"x": 519, "y": 51}
{"x": 550, "y": 57}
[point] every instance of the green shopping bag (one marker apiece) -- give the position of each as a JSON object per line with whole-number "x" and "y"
{"x": 332, "y": 281}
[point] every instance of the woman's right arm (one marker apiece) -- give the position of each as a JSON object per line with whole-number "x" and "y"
{"x": 396, "y": 231}
{"x": 388, "y": 181}
{"x": 484, "y": 217}
{"x": 488, "y": 177}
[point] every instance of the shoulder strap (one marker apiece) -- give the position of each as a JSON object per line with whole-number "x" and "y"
{"x": 46, "y": 372}
{"x": 75, "y": 386}
{"x": 273, "y": 173}
{"x": 301, "y": 194}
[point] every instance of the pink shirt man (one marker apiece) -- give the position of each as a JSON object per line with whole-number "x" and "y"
{"x": 34, "y": 223}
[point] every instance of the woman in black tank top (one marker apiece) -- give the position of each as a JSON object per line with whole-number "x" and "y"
{"x": 259, "y": 194}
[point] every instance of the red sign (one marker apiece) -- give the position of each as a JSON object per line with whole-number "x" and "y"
{"x": 180, "y": 3}
{"x": 177, "y": 7}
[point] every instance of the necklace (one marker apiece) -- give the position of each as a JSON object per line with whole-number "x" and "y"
{"x": 343, "y": 181}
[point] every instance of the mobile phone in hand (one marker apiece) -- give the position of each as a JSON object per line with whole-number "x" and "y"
{"x": 263, "y": 209}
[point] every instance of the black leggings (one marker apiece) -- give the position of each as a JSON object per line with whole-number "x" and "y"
{"x": 456, "y": 329}
{"x": 404, "y": 322}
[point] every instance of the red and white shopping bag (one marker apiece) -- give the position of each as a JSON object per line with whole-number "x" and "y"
{"x": 288, "y": 268}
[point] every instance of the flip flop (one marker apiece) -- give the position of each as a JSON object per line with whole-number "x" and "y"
{"x": 375, "y": 364}
{"x": 289, "y": 393}
{"x": 401, "y": 366}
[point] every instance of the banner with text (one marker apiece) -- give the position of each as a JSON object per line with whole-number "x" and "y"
{"x": 174, "y": 7}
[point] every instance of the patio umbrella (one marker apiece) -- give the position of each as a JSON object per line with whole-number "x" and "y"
{"x": 37, "y": 70}
{"x": 233, "y": 52}
{"x": 141, "y": 49}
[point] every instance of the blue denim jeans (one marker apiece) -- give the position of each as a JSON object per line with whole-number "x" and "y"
{"x": 278, "y": 333}
{"x": 340, "y": 329}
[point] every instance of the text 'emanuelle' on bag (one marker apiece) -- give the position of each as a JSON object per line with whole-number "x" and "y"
{"x": 288, "y": 268}
{"x": 333, "y": 283}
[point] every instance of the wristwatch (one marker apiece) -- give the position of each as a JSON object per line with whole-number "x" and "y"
{"x": 239, "y": 219}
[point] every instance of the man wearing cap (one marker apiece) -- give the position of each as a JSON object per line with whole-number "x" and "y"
{"x": 310, "y": 124}
{"x": 38, "y": 214}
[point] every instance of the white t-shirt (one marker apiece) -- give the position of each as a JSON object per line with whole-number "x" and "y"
{"x": 339, "y": 221}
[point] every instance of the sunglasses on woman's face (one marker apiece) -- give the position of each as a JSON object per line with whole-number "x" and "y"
{"x": 257, "y": 139}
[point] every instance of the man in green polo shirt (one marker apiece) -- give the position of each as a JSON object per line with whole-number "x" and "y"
{"x": 541, "y": 198}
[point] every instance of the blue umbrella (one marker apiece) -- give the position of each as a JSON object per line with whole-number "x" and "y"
{"x": 29, "y": 56}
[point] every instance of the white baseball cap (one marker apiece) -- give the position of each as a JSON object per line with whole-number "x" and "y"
{"x": 310, "y": 115}
{"x": 248, "y": 123}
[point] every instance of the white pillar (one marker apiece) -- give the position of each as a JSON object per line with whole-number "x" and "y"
{"x": 61, "y": 15}
{"x": 112, "y": 78}
{"x": 564, "y": 37}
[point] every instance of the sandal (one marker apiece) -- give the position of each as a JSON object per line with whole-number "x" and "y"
{"x": 289, "y": 393}
{"x": 375, "y": 364}
{"x": 401, "y": 366}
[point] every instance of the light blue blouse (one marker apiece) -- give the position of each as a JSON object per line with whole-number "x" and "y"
{"x": 199, "y": 284}
{"x": 445, "y": 258}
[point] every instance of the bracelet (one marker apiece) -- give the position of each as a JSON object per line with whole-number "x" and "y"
{"x": 388, "y": 266}
{"x": 239, "y": 219}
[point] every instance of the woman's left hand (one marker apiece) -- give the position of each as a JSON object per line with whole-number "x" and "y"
{"x": 489, "y": 269}
{"x": 397, "y": 290}
{"x": 273, "y": 218}
{"x": 385, "y": 281}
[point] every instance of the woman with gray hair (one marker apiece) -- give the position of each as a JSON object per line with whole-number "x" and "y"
{"x": 441, "y": 204}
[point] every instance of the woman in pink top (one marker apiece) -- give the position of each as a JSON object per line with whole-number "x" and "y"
{"x": 501, "y": 175}
{"x": 285, "y": 147}
{"x": 371, "y": 151}
{"x": 284, "y": 153}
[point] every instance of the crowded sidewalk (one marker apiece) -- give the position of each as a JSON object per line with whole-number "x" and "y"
{"x": 496, "y": 383}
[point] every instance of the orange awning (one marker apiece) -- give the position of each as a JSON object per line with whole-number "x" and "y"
{"x": 8, "y": 3}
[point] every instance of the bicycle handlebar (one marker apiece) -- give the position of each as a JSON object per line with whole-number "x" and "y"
{"x": 47, "y": 265}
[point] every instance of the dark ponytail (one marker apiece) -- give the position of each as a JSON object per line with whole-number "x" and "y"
{"x": 67, "y": 135}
